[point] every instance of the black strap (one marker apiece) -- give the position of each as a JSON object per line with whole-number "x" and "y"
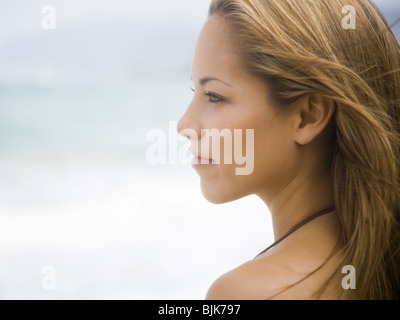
{"x": 296, "y": 228}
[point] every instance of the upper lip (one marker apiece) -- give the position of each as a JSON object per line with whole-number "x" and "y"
{"x": 202, "y": 157}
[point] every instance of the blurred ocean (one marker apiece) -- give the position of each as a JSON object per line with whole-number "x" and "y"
{"x": 76, "y": 191}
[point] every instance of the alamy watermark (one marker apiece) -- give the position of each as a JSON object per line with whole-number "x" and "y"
{"x": 49, "y": 277}
{"x": 238, "y": 147}
{"x": 349, "y": 281}
{"x": 349, "y": 21}
{"x": 49, "y": 18}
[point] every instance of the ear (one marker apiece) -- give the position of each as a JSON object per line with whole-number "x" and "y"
{"x": 313, "y": 114}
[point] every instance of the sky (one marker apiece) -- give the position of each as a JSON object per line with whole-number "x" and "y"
{"x": 126, "y": 38}
{"x": 118, "y": 37}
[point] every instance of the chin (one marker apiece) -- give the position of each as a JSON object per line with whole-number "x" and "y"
{"x": 217, "y": 195}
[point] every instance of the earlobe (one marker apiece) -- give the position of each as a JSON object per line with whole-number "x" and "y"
{"x": 315, "y": 113}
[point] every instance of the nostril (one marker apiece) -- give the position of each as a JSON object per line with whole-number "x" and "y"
{"x": 183, "y": 132}
{"x": 188, "y": 133}
{"x": 183, "y": 129}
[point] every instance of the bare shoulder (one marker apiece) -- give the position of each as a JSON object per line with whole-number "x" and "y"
{"x": 274, "y": 277}
{"x": 295, "y": 269}
{"x": 254, "y": 280}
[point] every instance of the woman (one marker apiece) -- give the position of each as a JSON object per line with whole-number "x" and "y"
{"x": 319, "y": 83}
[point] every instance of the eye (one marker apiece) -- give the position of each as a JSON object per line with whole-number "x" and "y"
{"x": 214, "y": 98}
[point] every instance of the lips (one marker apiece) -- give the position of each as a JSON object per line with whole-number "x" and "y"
{"x": 200, "y": 160}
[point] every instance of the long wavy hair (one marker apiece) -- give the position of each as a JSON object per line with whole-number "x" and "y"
{"x": 300, "y": 47}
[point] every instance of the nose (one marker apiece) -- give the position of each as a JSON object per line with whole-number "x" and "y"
{"x": 182, "y": 125}
{"x": 188, "y": 125}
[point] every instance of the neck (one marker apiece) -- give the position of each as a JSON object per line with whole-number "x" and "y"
{"x": 299, "y": 199}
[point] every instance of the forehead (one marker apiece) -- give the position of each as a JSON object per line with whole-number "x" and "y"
{"x": 215, "y": 52}
{"x": 217, "y": 30}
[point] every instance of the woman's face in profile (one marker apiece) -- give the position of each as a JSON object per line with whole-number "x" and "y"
{"x": 228, "y": 98}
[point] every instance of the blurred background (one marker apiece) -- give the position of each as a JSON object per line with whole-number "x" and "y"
{"x": 77, "y": 195}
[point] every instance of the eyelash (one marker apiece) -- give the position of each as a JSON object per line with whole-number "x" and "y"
{"x": 213, "y": 97}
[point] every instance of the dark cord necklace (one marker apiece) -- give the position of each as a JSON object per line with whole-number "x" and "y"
{"x": 296, "y": 228}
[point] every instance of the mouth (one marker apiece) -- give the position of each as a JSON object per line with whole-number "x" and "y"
{"x": 199, "y": 161}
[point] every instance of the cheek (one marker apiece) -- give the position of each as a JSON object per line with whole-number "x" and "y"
{"x": 234, "y": 176}
{"x": 220, "y": 183}
{"x": 273, "y": 156}
{"x": 262, "y": 159}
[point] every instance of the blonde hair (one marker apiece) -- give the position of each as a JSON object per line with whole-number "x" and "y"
{"x": 300, "y": 47}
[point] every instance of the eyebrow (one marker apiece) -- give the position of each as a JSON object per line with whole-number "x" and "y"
{"x": 203, "y": 81}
